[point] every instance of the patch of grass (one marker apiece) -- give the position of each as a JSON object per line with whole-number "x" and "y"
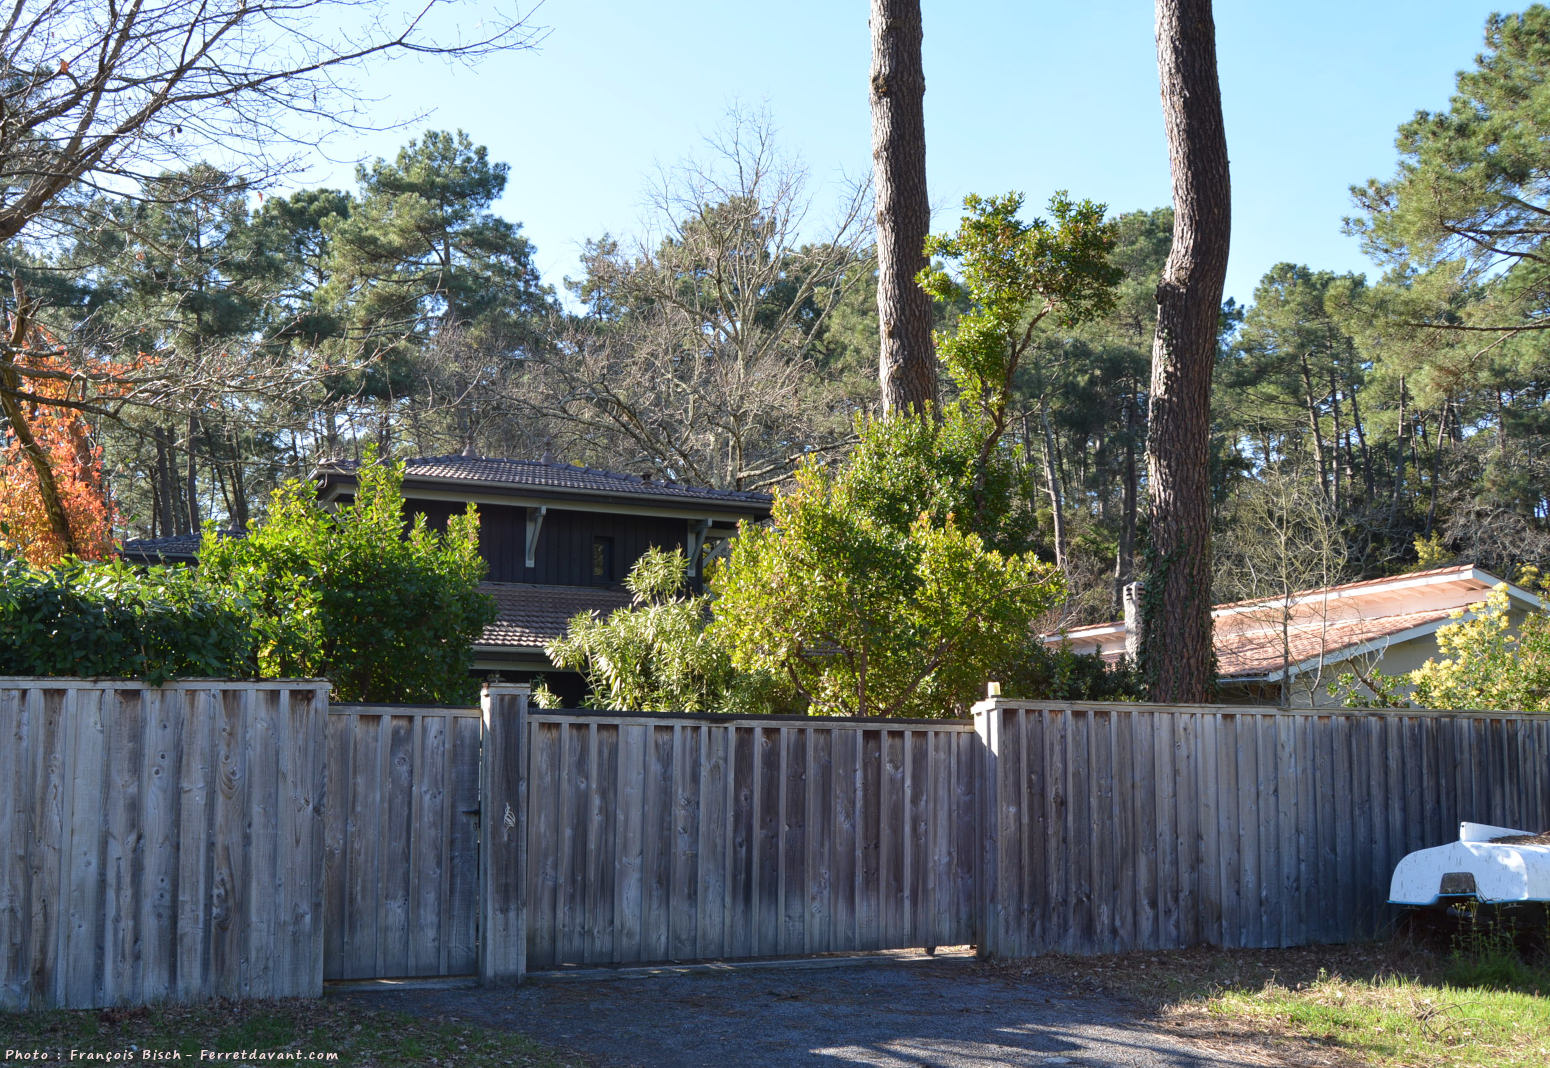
{"x": 1476, "y": 1000}
{"x": 1401, "y": 1021}
{"x": 339, "y": 1034}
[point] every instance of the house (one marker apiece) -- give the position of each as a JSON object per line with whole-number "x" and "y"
{"x": 559, "y": 540}
{"x": 1288, "y": 649}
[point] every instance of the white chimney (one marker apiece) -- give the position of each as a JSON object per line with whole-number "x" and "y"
{"x": 1132, "y": 598}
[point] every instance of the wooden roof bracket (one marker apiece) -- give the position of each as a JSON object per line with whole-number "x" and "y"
{"x": 698, "y": 528}
{"x": 535, "y": 523}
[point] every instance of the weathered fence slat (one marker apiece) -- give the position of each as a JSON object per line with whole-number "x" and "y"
{"x": 673, "y": 838}
{"x": 503, "y": 833}
{"x": 1260, "y": 818}
{"x": 244, "y": 840}
{"x": 139, "y": 861}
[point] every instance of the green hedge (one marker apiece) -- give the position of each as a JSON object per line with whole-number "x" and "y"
{"x": 113, "y": 620}
{"x": 384, "y": 610}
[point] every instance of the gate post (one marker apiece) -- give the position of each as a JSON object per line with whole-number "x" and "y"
{"x": 503, "y": 833}
{"x": 987, "y": 904}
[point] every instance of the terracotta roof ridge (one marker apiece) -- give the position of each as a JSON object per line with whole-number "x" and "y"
{"x": 1275, "y": 600}
{"x": 1342, "y": 587}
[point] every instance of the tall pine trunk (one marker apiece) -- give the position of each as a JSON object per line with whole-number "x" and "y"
{"x": 1177, "y": 652}
{"x": 166, "y": 482}
{"x": 1310, "y": 405}
{"x": 1368, "y": 483}
{"x": 907, "y": 361}
{"x": 1401, "y": 442}
{"x": 191, "y": 476}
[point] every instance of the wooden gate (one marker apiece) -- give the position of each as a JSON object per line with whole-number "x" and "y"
{"x": 401, "y": 833}
{"x": 614, "y": 837}
{"x": 653, "y": 838}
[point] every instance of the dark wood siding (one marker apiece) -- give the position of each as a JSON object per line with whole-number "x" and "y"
{"x": 565, "y": 544}
{"x": 564, "y": 555}
{"x": 436, "y": 513}
{"x": 503, "y": 541}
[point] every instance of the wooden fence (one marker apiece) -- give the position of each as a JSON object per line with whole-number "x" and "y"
{"x": 225, "y": 838}
{"x": 676, "y": 838}
{"x": 402, "y": 842}
{"x": 159, "y": 843}
{"x": 1119, "y": 827}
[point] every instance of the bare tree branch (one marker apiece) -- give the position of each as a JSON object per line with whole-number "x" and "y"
{"x": 699, "y": 362}
{"x": 108, "y": 94}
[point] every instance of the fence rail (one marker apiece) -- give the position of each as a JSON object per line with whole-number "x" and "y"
{"x": 229, "y": 838}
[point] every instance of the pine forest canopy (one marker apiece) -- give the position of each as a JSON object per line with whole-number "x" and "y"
{"x": 208, "y": 338}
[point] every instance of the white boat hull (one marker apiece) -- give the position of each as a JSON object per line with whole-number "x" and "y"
{"x": 1474, "y": 867}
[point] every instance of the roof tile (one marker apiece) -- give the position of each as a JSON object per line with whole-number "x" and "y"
{"x": 532, "y": 615}
{"x": 1262, "y": 651}
{"x": 174, "y": 547}
{"x": 550, "y": 475}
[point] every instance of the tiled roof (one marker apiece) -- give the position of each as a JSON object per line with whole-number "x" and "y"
{"x": 1264, "y": 651}
{"x": 1477, "y": 587}
{"x": 541, "y": 474}
{"x": 532, "y": 615}
{"x": 1458, "y": 571}
{"x": 1256, "y": 639}
{"x": 172, "y": 547}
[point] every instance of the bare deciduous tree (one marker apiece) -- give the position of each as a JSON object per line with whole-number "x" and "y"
{"x": 696, "y": 361}
{"x": 1284, "y": 539}
{"x": 109, "y": 94}
{"x": 97, "y": 98}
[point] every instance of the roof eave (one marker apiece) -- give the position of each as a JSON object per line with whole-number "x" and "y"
{"x": 332, "y": 482}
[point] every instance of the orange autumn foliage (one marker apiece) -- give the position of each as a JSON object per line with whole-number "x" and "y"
{"x": 76, "y": 462}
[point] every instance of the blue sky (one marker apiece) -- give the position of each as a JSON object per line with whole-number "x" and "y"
{"x": 1032, "y": 97}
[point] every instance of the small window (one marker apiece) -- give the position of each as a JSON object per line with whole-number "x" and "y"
{"x": 602, "y": 559}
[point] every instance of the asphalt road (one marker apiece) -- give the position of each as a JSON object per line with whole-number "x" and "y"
{"x": 891, "y": 1013}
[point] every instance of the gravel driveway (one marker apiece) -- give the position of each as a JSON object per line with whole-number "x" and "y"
{"x": 890, "y": 1012}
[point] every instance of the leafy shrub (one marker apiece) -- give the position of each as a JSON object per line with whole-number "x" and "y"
{"x": 112, "y": 620}
{"x": 1486, "y": 662}
{"x": 384, "y": 613}
{"x": 655, "y": 655}
{"x": 1060, "y": 673}
{"x": 865, "y": 618}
